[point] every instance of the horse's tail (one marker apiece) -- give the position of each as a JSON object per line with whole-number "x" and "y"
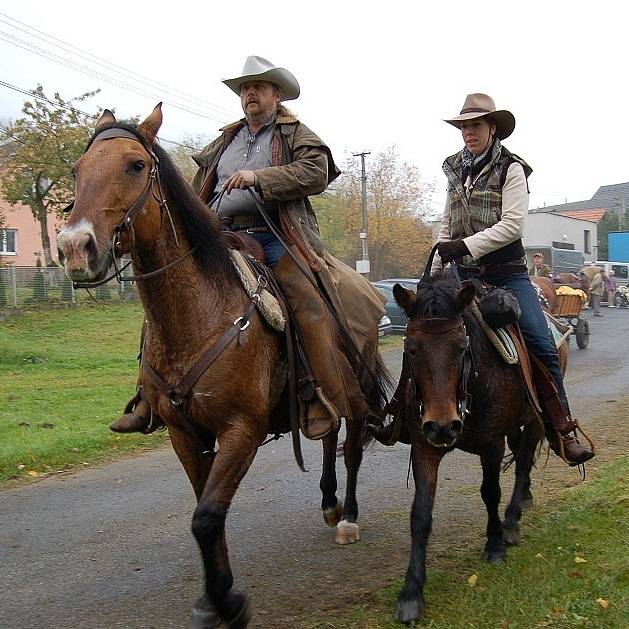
{"x": 380, "y": 383}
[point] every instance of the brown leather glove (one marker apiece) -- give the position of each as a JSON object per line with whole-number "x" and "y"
{"x": 449, "y": 251}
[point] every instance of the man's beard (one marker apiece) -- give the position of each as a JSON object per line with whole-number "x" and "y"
{"x": 260, "y": 115}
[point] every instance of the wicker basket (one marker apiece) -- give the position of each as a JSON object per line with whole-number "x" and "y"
{"x": 567, "y": 306}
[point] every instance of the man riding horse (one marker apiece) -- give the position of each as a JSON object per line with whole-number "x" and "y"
{"x": 272, "y": 153}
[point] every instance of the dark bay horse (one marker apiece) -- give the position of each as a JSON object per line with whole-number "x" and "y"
{"x": 131, "y": 199}
{"x": 461, "y": 395}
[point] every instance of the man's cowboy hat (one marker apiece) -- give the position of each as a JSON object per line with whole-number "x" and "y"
{"x": 480, "y": 105}
{"x": 260, "y": 69}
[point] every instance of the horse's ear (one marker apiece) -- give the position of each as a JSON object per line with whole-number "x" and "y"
{"x": 465, "y": 295}
{"x": 107, "y": 119}
{"x": 151, "y": 124}
{"x": 404, "y": 298}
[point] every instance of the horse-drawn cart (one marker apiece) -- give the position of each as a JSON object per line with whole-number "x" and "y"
{"x": 567, "y": 308}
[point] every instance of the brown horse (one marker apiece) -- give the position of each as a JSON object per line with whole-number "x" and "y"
{"x": 459, "y": 394}
{"x": 131, "y": 199}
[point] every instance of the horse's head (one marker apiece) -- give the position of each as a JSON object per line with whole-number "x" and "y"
{"x": 116, "y": 182}
{"x": 438, "y": 355}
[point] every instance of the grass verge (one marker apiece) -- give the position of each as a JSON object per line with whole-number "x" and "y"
{"x": 64, "y": 376}
{"x": 572, "y": 570}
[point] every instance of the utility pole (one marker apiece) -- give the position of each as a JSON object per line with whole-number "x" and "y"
{"x": 363, "y": 266}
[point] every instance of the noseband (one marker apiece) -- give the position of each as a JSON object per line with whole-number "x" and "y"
{"x": 126, "y": 225}
{"x": 436, "y": 326}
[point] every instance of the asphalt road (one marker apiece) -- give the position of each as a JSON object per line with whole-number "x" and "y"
{"x": 112, "y": 547}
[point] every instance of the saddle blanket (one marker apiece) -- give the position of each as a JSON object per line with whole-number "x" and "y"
{"x": 267, "y": 305}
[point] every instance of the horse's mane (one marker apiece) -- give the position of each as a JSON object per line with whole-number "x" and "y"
{"x": 200, "y": 226}
{"x": 435, "y": 298}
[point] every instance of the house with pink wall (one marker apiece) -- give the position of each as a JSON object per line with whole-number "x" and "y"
{"x": 20, "y": 235}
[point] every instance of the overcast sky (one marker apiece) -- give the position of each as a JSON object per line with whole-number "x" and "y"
{"x": 372, "y": 74}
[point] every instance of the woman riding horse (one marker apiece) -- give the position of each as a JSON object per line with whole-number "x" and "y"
{"x": 482, "y": 230}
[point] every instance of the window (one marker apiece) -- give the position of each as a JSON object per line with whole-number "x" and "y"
{"x": 8, "y": 241}
{"x": 620, "y": 270}
{"x": 587, "y": 243}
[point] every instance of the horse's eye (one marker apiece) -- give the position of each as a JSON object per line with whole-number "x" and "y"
{"x": 138, "y": 166}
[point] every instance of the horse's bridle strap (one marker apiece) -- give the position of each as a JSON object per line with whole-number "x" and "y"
{"x": 435, "y": 325}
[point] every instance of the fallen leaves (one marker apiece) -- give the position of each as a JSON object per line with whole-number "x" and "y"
{"x": 603, "y": 602}
{"x": 578, "y": 559}
{"x": 472, "y": 580}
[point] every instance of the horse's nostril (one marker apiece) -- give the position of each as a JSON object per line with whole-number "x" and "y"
{"x": 455, "y": 428}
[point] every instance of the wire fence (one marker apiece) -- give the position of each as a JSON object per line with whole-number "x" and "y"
{"x": 25, "y": 286}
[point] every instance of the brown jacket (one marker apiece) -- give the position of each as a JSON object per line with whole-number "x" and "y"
{"x": 305, "y": 167}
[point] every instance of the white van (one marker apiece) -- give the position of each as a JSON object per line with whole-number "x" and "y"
{"x": 620, "y": 269}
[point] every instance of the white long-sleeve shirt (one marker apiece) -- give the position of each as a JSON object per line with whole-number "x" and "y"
{"x": 510, "y": 227}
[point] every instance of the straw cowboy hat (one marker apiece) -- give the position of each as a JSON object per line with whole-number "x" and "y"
{"x": 260, "y": 69}
{"x": 480, "y": 105}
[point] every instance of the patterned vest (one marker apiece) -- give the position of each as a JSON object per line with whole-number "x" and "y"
{"x": 479, "y": 207}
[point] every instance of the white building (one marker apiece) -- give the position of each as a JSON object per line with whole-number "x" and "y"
{"x": 545, "y": 229}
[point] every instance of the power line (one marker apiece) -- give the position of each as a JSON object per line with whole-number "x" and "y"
{"x": 108, "y": 65}
{"x": 95, "y": 74}
{"x": 75, "y": 110}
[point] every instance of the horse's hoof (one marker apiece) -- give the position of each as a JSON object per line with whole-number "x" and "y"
{"x": 347, "y": 532}
{"x": 204, "y": 619}
{"x": 407, "y": 611}
{"x": 494, "y": 556}
{"x": 333, "y": 515}
{"x": 527, "y": 503}
{"x": 243, "y": 614}
{"x": 510, "y": 536}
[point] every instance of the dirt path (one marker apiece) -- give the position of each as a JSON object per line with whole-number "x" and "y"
{"x": 111, "y": 547}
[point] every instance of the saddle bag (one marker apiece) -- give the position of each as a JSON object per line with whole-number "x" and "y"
{"x": 499, "y": 307}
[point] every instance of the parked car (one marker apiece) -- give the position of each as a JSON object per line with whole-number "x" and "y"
{"x": 394, "y": 312}
{"x": 384, "y": 327}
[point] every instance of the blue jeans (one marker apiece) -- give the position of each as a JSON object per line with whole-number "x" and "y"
{"x": 273, "y": 248}
{"x": 532, "y": 322}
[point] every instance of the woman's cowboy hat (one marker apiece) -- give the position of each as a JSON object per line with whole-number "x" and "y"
{"x": 260, "y": 69}
{"x": 480, "y": 105}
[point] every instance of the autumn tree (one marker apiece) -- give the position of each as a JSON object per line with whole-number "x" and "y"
{"x": 44, "y": 144}
{"x": 397, "y": 201}
{"x": 182, "y": 152}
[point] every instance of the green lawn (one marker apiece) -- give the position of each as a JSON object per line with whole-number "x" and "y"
{"x": 64, "y": 376}
{"x": 572, "y": 570}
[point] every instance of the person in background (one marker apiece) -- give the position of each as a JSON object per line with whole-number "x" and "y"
{"x": 596, "y": 290}
{"x": 610, "y": 287}
{"x": 539, "y": 268}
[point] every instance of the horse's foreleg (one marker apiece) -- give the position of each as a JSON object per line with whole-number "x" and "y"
{"x": 331, "y": 507}
{"x": 491, "y": 460}
{"x": 235, "y": 454}
{"x": 521, "y": 497}
{"x": 196, "y": 464}
{"x": 347, "y": 531}
{"x": 425, "y": 459}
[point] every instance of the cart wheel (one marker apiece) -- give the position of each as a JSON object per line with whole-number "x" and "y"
{"x": 583, "y": 334}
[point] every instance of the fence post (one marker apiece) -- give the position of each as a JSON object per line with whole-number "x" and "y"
{"x": 14, "y": 286}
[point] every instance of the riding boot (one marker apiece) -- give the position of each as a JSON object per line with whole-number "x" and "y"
{"x": 559, "y": 425}
{"x": 338, "y": 392}
{"x": 137, "y": 417}
{"x": 561, "y": 433}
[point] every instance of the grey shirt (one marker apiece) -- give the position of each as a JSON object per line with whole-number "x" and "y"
{"x": 246, "y": 151}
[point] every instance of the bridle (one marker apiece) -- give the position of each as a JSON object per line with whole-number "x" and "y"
{"x": 125, "y": 227}
{"x": 437, "y": 326}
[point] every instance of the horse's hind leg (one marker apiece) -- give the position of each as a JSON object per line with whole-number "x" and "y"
{"x": 231, "y": 462}
{"x": 331, "y": 507}
{"x": 347, "y": 531}
{"x": 521, "y": 497}
{"x": 490, "y": 491}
